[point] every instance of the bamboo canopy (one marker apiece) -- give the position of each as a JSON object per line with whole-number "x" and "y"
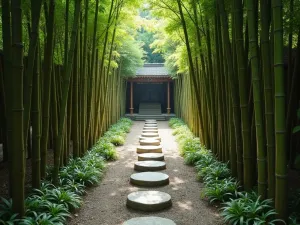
{"x": 234, "y": 64}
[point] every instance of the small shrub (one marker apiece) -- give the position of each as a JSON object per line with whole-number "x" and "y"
{"x": 5, "y": 208}
{"x": 10, "y": 220}
{"x": 120, "y": 127}
{"x": 186, "y": 144}
{"x": 205, "y": 160}
{"x": 33, "y": 204}
{"x": 116, "y": 132}
{"x": 294, "y": 219}
{"x": 105, "y": 149}
{"x": 175, "y": 122}
{"x": 181, "y": 130}
{"x": 220, "y": 190}
{"x": 194, "y": 157}
{"x": 189, "y": 144}
{"x": 73, "y": 186}
{"x": 93, "y": 160}
{"x": 87, "y": 176}
{"x": 215, "y": 170}
{"x": 41, "y": 219}
{"x": 58, "y": 211}
{"x": 60, "y": 196}
{"x": 7, "y": 217}
{"x": 249, "y": 210}
{"x": 117, "y": 140}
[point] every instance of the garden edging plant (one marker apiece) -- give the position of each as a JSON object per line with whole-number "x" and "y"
{"x": 52, "y": 205}
{"x": 238, "y": 207}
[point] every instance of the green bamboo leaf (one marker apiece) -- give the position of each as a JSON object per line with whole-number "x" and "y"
{"x": 296, "y": 129}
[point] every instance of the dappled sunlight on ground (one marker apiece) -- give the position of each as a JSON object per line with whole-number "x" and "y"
{"x": 185, "y": 205}
{"x": 106, "y": 204}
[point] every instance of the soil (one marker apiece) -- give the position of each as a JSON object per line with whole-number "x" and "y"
{"x": 105, "y": 204}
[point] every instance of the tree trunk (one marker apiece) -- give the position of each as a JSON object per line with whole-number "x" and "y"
{"x": 17, "y": 112}
{"x": 65, "y": 91}
{"x": 48, "y": 61}
{"x": 258, "y": 101}
{"x": 280, "y": 128}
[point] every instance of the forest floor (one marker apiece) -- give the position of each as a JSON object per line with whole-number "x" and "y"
{"x": 106, "y": 203}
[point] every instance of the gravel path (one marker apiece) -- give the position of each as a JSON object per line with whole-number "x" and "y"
{"x": 105, "y": 204}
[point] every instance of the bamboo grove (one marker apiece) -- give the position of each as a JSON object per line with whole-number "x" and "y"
{"x": 238, "y": 64}
{"x": 61, "y": 81}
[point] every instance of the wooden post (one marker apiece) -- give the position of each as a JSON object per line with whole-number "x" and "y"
{"x": 168, "y": 109}
{"x": 131, "y": 97}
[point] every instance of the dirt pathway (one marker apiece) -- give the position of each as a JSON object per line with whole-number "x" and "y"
{"x": 105, "y": 204}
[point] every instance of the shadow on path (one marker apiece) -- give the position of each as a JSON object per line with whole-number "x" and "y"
{"x": 105, "y": 204}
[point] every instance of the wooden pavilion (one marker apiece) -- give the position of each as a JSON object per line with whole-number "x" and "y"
{"x": 150, "y": 93}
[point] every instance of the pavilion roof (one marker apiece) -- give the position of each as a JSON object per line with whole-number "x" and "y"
{"x": 152, "y": 69}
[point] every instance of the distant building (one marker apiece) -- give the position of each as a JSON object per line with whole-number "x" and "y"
{"x": 150, "y": 92}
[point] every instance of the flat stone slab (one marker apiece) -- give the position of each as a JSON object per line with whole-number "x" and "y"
{"x": 149, "y": 142}
{"x": 155, "y": 138}
{"x": 152, "y": 220}
{"x": 149, "y": 165}
{"x": 150, "y": 131}
{"x": 151, "y": 157}
{"x": 149, "y": 201}
{"x": 150, "y": 125}
{"x": 149, "y": 149}
{"x": 150, "y": 134}
{"x": 149, "y": 179}
{"x": 150, "y": 128}
{"x": 150, "y": 120}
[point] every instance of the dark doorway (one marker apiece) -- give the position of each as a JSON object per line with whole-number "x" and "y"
{"x": 150, "y": 93}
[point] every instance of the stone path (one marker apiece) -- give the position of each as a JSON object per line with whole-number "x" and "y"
{"x": 150, "y": 201}
{"x": 176, "y": 188}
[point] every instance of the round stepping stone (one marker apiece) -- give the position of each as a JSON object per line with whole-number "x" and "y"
{"x": 150, "y": 135}
{"x": 150, "y": 125}
{"x": 149, "y": 201}
{"x": 150, "y": 131}
{"x": 149, "y": 179}
{"x": 151, "y": 220}
{"x": 149, "y": 165}
{"x": 149, "y": 149}
{"x": 150, "y": 128}
{"x": 155, "y": 138}
{"x": 149, "y": 142}
{"x": 151, "y": 157}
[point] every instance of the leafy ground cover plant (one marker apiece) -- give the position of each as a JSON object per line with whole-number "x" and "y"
{"x": 42, "y": 219}
{"x": 6, "y": 215}
{"x": 215, "y": 171}
{"x": 105, "y": 149}
{"x": 116, "y": 139}
{"x": 294, "y": 219}
{"x": 239, "y": 207}
{"x": 220, "y": 190}
{"x": 249, "y": 209}
{"x": 51, "y": 205}
{"x": 117, "y": 132}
